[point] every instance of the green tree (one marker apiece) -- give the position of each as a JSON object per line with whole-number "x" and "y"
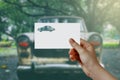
{"x": 11, "y": 16}
{"x": 21, "y": 14}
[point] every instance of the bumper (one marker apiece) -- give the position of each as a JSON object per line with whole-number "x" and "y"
{"x": 37, "y": 68}
{"x": 52, "y": 72}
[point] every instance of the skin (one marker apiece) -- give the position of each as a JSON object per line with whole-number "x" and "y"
{"x": 84, "y": 53}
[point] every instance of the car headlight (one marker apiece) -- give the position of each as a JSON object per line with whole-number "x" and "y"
{"x": 98, "y": 39}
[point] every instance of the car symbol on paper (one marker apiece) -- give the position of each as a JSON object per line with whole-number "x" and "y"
{"x": 46, "y": 28}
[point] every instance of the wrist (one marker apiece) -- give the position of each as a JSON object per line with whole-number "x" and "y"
{"x": 94, "y": 71}
{"x": 99, "y": 73}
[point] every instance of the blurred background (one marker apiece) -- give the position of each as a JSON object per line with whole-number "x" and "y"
{"x": 19, "y": 16}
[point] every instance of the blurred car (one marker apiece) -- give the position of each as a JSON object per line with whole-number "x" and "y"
{"x": 46, "y": 28}
{"x": 52, "y": 62}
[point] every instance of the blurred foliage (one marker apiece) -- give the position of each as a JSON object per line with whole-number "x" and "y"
{"x": 17, "y": 16}
{"x": 110, "y": 32}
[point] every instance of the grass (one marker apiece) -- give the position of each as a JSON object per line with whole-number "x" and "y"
{"x": 8, "y": 51}
{"x": 7, "y": 48}
{"x": 111, "y": 44}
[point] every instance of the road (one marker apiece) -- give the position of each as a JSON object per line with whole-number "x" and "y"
{"x": 8, "y": 68}
{"x": 110, "y": 58}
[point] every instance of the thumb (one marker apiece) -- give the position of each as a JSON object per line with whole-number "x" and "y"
{"x": 76, "y": 46}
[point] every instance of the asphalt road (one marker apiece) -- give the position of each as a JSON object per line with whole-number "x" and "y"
{"x": 8, "y": 68}
{"x": 110, "y": 58}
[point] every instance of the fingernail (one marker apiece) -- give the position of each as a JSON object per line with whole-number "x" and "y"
{"x": 72, "y": 40}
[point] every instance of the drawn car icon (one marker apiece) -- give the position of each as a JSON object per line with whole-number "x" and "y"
{"x": 46, "y": 28}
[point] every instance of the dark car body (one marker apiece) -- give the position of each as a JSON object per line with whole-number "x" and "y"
{"x": 52, "y": 64}
{"x": 46, "y": 28}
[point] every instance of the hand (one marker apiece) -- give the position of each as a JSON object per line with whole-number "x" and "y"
{"x": 84, "y": 53}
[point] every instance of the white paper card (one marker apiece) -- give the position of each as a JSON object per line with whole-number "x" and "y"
{"x": 55, "y": 35}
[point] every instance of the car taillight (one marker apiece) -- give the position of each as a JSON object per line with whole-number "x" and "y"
{"x": 24, "y": 44}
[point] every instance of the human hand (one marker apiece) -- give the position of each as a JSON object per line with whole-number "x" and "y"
{"x": 84, "y": 53}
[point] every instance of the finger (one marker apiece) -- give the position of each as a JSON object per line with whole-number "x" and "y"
{"x": 73, "y": 51}
{"x": 72, "y": 58}
{"x": 74, "y": 55}
{"x": 83, "y": 42}
{"x": 95, "y": 43}
{"x": 86, "y": 45}
{"x": 76, "y": 46}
